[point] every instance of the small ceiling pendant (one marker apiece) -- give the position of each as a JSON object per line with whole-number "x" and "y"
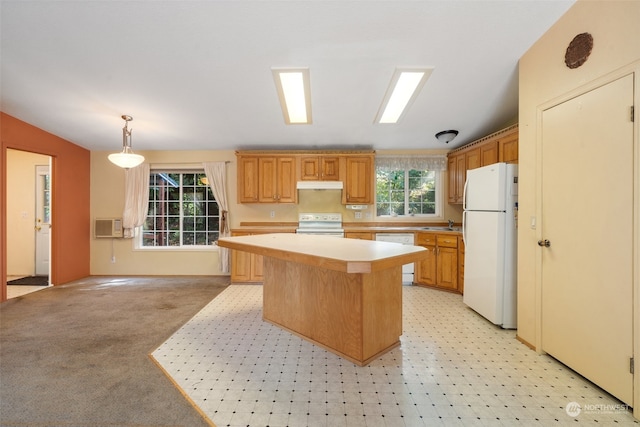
{"x": 578, "y": 50}
{"x": 126, "y": 158}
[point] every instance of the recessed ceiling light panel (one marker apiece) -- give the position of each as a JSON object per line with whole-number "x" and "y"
{"x": 294, "y": 92}
{"x": 403, "y": 89}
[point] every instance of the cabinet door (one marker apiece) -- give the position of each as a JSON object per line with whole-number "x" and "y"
{"x": 248, "y": 178}
{"x": 425, "y": 273}
{"x": 277, "y": 180}
{"x": 452, "y": 174}
{"x": 268, "y": 191}
{"x": 286, "y": 180}
{"x": 257, "y": 262}
{"x": 447, "y": 268}
{"x": 309, "y": 168}
{"x": 489, "y": 153}
{"x": 460, "y": 265}
{"x": 509, "y": 148}
{"x": 357, "y": 184}
{"x": 461, "y": 176}
{"x": 330, "y": 168}
{"x": 473, "y": 159}
{"x": 362, "y": 235}
{"x": 240, "y": 263}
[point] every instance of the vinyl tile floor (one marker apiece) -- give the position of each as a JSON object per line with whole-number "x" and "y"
{"x": 14, "y": 291}
{"x": 453, "y": 368}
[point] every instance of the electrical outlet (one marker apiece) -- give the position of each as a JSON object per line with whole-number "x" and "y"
{"x": 358, "y": 215}
{"x": 367, "y": 215}
{"x": 272, "y": 214}
{"x": 113, "y": 260}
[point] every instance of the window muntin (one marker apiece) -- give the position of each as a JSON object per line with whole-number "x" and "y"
{"x": 183, "y": 212}
{"x": 406, "y": 192}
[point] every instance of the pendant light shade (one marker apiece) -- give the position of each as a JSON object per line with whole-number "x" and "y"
{"x": 126, "y": 158}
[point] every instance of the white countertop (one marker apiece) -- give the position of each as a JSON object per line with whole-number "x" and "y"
{"x": 348, "y": 255}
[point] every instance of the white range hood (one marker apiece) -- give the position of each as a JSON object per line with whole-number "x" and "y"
{"x": 319, "y": 185}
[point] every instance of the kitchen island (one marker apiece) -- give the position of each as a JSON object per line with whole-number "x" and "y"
{"x": 344, "y": 295}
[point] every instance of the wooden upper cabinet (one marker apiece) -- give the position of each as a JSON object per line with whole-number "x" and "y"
{"x": 509, "y": 148}
{"x": 248, "y": 179}
{"x": 268, "y": 192}
{"x": 489, "y": 153}
{"x": 472, "y": 159}
{"x": 271, "y": 176}
{"x": 286, "y": 174}
{"x": 358, "y": 178}
{"x": 320, "y": 168}
{"x": 267, "y": 179}
{"x": 501, "y": 146}
{"x": 277, "y": 180}
{"x": 452, "y": 171}
{"x": 456, "y": 168}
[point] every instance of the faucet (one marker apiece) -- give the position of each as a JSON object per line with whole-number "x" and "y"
{"x": 450, "y": 224}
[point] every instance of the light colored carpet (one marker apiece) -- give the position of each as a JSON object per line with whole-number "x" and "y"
{"x": 78, "y": 354}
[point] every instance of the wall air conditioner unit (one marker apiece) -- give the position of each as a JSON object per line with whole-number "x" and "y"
{"x": 108, "y": 228}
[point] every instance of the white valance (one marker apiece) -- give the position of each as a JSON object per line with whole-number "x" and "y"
{"x": 408, "y": 162}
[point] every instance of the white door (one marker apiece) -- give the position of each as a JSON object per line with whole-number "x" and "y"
{"x": 43, "y": 220}
{"x": 587, "y": 219}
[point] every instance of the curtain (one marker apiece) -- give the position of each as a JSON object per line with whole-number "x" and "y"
{"x": 136, "y": 198}
{"x": 431, "y": 163}
{"x": 217, "y": 176}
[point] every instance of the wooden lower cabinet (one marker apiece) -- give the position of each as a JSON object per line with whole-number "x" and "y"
{"x": 245, "y": 266}
{"x": 461, "y": 265}
{"x": 440, "y": 268}
{"x": 362, "y": 235}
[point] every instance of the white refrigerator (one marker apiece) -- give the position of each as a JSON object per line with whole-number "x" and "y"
{"x": 489, "y": 223}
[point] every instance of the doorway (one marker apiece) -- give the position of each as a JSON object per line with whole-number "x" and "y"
{"x": 587, "y": 235}
{"x": 28, "y": 218}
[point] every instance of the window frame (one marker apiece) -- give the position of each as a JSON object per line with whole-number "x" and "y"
{"x": 439, "y": 178}
{"x": 139, "y": 231}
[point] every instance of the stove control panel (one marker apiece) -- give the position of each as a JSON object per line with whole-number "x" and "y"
{"x": 320, "y": 217}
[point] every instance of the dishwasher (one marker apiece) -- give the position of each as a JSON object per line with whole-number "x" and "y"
{"x": 404, "y": 239}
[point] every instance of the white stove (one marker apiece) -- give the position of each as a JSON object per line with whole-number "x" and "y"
{"x": 325, "y": 224}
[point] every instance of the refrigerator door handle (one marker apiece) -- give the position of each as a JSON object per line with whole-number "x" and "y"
{"x": 464, "y": 195}
{"x": 464, "y": 229}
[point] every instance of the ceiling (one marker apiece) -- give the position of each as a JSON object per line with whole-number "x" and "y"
{"x": 196, "y": 75}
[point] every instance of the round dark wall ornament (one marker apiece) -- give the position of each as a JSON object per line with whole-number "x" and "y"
{"x": 578, "y": 50}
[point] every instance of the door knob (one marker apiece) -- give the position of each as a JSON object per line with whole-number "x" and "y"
{"x": 546, "y": 243}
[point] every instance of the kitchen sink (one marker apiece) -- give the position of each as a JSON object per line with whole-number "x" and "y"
{"x": 441, "y": 228}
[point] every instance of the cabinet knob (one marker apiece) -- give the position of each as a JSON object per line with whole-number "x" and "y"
{"x": 545, "y": 243}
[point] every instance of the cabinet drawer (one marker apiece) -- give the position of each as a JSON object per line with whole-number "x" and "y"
{"x": 445, "y": 241}
{"x": 425, "y": 239}
{"x": 362, "y": 235}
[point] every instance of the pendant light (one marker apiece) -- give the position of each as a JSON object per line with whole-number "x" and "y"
{"x": 126, "y": 158}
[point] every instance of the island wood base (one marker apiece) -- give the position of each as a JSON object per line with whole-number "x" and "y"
{"x": 357, "y": 316}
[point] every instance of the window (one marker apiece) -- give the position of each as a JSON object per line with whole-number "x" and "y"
{"x": 406, "y": 192}
{"x": 409, "y": 185}
{"x": 182, "y": 211}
